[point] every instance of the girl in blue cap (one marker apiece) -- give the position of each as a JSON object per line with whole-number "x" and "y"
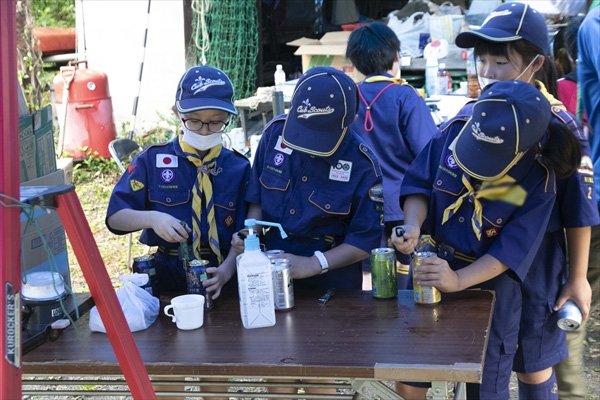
{"x": 512, "y": 44}
{"x": 484, "y": 189}
{"x": 191, "y": 179}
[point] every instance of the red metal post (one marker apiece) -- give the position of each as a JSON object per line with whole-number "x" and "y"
{"x": 81, "y": 238}
{"x": 10, "y": 262}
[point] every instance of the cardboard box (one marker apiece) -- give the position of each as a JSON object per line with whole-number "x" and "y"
{"x": 329, "y": 51}
{"x": 35, "y": 253}
{"x": 44, "y": 141}
{"x": 27, "y": 150}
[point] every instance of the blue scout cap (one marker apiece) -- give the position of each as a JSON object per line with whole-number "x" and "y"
{"x": 322, "y": 107}
{"x": 204, "y": 88}
{"x": 509, "y": 118}
{"x": 507, "y": 23}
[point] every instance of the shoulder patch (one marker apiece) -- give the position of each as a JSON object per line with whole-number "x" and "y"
{"x": 376, "y": 193}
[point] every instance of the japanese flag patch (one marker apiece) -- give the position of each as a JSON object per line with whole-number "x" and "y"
{"x": 166, "y": 161}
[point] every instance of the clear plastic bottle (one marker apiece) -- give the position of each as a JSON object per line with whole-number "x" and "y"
{"x": 431, "y": 76}
{"x": 442, "y": 79}
{"x": 279, "y": 78}
{"x": 473, "y": 90}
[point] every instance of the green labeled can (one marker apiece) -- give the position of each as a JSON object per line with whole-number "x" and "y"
{"x": 383, "y": 273}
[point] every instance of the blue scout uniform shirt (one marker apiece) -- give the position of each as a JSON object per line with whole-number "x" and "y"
{"x": 401, "y": 127}
{"x": 161, "y": 178}
{"x": 542, "y": 343}
{"x": 512, "y": 234}
{"x": 320, "y": 202}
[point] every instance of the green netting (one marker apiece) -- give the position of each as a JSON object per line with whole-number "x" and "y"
{"x": 226, "y": 37}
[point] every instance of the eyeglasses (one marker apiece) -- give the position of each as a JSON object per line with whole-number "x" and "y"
{"x": 196, "y": 125}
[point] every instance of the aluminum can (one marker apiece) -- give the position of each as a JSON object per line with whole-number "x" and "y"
{"x": 283, "y": 284}
{"x": 195, "y": 275}
{"x": 383, "y": 273}
{"x": 272, "y": 253}
{"x": 569, "y": 316}
{"x": 145, "y": 265}
{"x": 424, "y": 294}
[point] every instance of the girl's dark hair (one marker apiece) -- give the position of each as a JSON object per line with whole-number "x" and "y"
{"x": 373, "y": 48}
{"x": 562, "y": 150}
{"x": 525, "y": 49}
{"x": 548, "y": 75}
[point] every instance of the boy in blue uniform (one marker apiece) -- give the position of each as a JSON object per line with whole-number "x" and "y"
{"x": 484, "y": 189}
{"x": 393, "y": 120}
{"x": 315, "y": 176}
{"x": 510, "y": 45}
{"x": 190, "y": 179}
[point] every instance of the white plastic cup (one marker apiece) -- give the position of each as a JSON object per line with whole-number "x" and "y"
{"x": 188, "y": 311}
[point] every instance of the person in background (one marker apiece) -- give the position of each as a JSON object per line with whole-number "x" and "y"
{"x": 571, "y": 384}
{"x": 511, "y": 45}
{"x": 393, "y": 120}
{"x": 484, "y": 189}
{"x": 567, "y": 85}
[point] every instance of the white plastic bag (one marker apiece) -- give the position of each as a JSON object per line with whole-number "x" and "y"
{"x": 139, "y": 307}
{"x": 409, "y": 32}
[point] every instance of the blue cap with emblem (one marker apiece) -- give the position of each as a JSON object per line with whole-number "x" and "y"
{"x": 508, "y": 119}
{"x": 204, "y": 88}
{"x": 323, "y": 105}
{"x": 507, "y": 23}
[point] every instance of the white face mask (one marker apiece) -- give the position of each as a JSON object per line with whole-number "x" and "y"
{"x": 201, "y": 142}
{"x": 484, "y": 82}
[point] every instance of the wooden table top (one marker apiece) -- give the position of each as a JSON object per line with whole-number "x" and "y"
{"x": 354, "y": 335}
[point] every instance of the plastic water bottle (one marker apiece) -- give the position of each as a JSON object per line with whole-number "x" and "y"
{"x": 442, "y": 79}
{"x": 255, "y": 281}
{"x": 431, "y": 76}
{"x": 473, "y": 90}
{"x": 279, "y": 78}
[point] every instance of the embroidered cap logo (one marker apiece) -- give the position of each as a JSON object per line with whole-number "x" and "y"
{"x": 479, "y": 135}
{"x": 201, "y": 84}
{"x": 306, "y": 110}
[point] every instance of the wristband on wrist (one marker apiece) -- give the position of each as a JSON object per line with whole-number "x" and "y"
{"x": 323, "y": 261}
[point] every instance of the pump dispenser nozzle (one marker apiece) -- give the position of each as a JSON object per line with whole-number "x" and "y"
{"x": 251, "y": 222}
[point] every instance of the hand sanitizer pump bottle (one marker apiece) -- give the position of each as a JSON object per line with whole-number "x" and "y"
{"x": 255, "y": 281}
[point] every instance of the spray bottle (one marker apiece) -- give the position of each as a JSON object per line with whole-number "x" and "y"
{"x": 255, "y": 281}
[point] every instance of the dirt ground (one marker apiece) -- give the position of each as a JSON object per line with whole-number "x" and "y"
{"x": 114, "y": 250}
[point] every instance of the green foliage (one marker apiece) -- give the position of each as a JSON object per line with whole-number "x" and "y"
{"x": 93, "y": 167}
{"x": 54, "y": 13}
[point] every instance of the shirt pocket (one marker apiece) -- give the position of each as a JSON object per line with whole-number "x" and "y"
{"x": 226, "y": 201}
{"x": 169, "y": 198}
{"x": 330, "y": 204}
{"x": 272, "y": 181}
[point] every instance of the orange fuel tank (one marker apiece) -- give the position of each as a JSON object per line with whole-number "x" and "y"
{"x": 84, "y": 110}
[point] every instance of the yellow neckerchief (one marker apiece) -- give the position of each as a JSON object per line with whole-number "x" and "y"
{"x": 203, "y": 185}
{"x": 368, "y": 124}
{"x": 504, "y": 189}
{"x": 554, "y": 102}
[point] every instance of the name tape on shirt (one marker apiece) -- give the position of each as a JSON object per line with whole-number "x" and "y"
{"x": 166, "y": 161}
{"x": 341, "y": 171}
